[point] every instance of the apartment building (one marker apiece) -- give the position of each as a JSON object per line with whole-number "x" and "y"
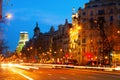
{"x": 89, "y": 36}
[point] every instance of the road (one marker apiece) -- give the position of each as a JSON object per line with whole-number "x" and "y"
{"x": 8, "y": 73}
{"x": 12, "y": 73}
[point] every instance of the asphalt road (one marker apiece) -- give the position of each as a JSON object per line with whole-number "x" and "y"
{"x": 7, "y": 73}
{"x": 11, "y": 73}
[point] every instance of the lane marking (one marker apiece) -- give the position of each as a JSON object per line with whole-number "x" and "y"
{"x": 27, "y": 77}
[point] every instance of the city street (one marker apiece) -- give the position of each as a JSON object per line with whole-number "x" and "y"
{"x": 60, "y": 40}
{"x": 13, "y": 73}
{"x": 8, "y": 73}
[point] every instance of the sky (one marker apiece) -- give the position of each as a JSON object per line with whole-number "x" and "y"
{"x": 25, "y": 14}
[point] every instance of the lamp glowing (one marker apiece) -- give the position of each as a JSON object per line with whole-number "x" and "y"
{"x": 9, "y": 16}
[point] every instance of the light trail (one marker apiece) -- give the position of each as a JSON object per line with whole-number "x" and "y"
{"x": 37, "y": 66}
{"x": 27, "y": 77}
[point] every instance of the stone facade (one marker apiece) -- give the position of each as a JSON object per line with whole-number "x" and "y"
{"x": 89, "y": 35}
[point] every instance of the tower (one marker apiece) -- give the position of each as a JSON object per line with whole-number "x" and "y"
{"x": 36, "y": 31}
{"x": 23, "y": 39}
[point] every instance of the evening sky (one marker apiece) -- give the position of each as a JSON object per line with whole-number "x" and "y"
{"x": 25, "y": 14}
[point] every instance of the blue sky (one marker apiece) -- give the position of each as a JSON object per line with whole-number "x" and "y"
{"x": 27, "y": 12}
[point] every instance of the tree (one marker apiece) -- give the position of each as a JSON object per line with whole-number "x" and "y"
{"x": 113, "y": 33}
{"x": 3, "y": 47}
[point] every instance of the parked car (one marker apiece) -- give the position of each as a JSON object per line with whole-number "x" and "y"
{"x": 94, "y": 63}
{"x": 72, "y": 62}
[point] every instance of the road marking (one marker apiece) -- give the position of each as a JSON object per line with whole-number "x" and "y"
{"x": 22, "y": 75}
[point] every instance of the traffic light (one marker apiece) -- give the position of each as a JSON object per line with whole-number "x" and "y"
{"x": 66, "y": 55}
{"x": 89, "y": 55}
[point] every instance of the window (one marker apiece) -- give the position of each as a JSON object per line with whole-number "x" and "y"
{"x": 91, "y": 49}
{"x": 83, "y": 49}
{"x": 118, "y": 3}
{"x": 91, "y": 19}
{"x": 111, "y": 11}
{"x": 84, "y": 13}
{"x": 97, "y": 0}
{"x": 110, "y": 4}
{"x": 101, "y": 12}
{"x": 95, "y": 5}
{"x": 88, "y": 7}
{"x": 84, "y": 19}
{"x": 21, "y": 42}
{"x": 103, "y": 4}
{"x": 111, "y": 18}
{"x": 100, "y": 50}
{"x": 84, "y": 40}
{"x": 91, "y": 13}
{"x": 119, "y": 17}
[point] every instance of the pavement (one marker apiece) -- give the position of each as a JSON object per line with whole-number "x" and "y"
{"x": 48, "y": 73}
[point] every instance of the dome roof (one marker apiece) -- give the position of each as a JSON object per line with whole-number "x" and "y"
{"x": 36, "y": 28}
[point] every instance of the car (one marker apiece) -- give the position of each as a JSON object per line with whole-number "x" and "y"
{"x": 116, "y": 66}
{"x": 72, "y": 62}
{"x": 94, "y": 63}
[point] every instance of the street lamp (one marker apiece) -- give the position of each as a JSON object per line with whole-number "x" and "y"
{"x": 3, "y": 19}
{"x": 8, "y": 16}
{"x": 118, "y": 31}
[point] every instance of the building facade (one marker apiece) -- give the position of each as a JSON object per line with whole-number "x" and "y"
{"x": 22, "y": 41}
{"x": 61, "y": 41}
{"x": 94, "y": 29}
{"x": 89, "y": 36}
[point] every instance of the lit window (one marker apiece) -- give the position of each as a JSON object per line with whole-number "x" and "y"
{"x": 91, "y": 49}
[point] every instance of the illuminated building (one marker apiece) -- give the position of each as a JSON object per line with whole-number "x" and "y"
{"x": 61, "y": 40}
{"x": 66, "y": 37}
{"x": 53, "y": 44}
{"x": 82, "y": 39}
{"x": 22, "y": 41}
{"x": 89, "y": 36}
